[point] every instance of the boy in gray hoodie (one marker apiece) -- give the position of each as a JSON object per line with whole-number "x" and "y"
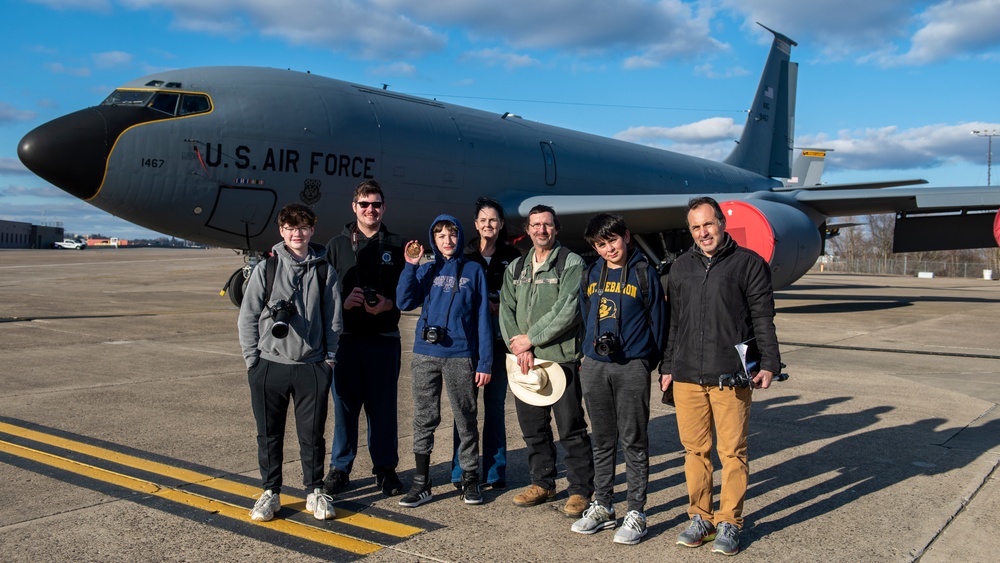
{"x": 290, "y": 323}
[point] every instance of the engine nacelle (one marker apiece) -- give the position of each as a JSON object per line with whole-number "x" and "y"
{"x": 781, "y": 234}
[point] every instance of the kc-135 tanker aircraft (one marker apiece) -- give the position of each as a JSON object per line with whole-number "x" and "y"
{"x": 211, "y": 154}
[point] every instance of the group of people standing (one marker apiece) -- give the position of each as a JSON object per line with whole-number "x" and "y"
{"x": 563, "y": 333}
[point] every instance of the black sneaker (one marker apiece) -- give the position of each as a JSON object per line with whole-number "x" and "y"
{"x": 389, "y": 482}
{"x": 336, "y": 481}
{"x": 419, "y": 493}
{"x": 470, "y": 489}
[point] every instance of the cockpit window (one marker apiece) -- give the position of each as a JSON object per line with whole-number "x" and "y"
{"x": 170, "y": 103}
{"x": 128, "y": 98}
{"x": 167, "y": 103}
{"x": 194, "y": 103}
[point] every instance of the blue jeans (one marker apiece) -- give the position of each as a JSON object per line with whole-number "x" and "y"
{"x": 494, "y": 436}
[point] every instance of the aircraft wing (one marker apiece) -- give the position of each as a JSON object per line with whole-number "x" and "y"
{"x": 833, "y": 203}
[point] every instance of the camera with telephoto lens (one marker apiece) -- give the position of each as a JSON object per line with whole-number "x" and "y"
{"x": 739, "y": 380}
{"x": 432, "y": 334}
{"x": 281, "y": 312}
{"x": 371, "y": 296}
{"x": 606, "y": 344}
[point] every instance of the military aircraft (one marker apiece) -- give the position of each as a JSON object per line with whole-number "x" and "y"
{"x": 211, "y": 154}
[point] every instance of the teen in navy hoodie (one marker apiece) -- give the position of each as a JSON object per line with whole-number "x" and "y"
{"x": 453, "y": 344}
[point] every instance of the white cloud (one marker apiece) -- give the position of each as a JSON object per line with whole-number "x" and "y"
{"x": 498, "y": 57}
{"x": 708, "y": 71}
{"x": 12, "y": 166}
{"x": 705, "y": 131}
{"x": 60, "y": 68}
{"x": 111, "y": 59}
{"x": 394, "y": 69}
{"x": 10, "y": 114}
{"x": 357, "y": 27}
{"x": 89, "y": 5}
{"x": 951, "y": 29}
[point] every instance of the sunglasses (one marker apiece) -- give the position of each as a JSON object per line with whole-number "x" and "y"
{"x": 365, "y": 204}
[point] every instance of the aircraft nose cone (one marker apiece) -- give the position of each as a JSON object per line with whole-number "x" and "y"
{"x": 70, "y": 152}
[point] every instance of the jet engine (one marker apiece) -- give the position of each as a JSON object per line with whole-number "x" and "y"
{"x": 784, "y": 236}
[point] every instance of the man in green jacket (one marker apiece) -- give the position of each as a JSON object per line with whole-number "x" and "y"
{"x": 540, "y": 321}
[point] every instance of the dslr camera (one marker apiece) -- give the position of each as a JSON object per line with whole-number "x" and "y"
{"x": 432, "y": 334}
{"x": 371, "y": 296}
{"x": 606, "y": 344}
{"x": 282, "y": 312}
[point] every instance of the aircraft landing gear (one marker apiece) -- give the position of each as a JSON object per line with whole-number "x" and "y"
{"x": 237, "y": 284}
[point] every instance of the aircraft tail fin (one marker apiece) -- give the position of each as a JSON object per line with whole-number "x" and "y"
{"x": 807, "y": 169}
{"x": 765, "y": 147}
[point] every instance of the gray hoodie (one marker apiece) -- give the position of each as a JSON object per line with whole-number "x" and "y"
{"x": 312, "y": 332}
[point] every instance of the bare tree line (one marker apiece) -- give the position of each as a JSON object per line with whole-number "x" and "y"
{"x": 867, "y": 248}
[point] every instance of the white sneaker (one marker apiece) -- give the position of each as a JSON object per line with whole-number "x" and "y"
{"x": 320, "y": 504}
{"x": 595, "y": 518}
{"x": 633, "y": 528}
{"x": 268, "y": 503}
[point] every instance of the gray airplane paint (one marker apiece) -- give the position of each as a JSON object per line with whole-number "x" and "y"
{"x": 218, "y": 174}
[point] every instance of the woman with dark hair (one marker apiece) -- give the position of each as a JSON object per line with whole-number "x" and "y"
{"x": 492, "y": 251}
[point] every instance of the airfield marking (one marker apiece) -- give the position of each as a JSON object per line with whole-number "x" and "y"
{"x": 343, "y": 516}
{"x": 290, "y": 527}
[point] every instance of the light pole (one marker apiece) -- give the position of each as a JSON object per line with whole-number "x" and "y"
{"x": 989, "y": 134}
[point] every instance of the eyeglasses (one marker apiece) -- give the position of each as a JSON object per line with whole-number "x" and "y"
{"x": 540, "y": 226}
{"x": 296, "y": 229}
{"x": 365, "y": 204}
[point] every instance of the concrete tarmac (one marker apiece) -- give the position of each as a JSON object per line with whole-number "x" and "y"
{"x": 126, "y": 432}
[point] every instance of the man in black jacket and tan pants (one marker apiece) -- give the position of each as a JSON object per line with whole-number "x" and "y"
{"x": 720, "y": 295}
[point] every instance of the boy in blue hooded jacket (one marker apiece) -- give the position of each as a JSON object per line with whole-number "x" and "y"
{"x": 453, "y": 345}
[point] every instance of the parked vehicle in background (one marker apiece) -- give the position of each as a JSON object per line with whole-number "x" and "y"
{"x": 70, "y": 244}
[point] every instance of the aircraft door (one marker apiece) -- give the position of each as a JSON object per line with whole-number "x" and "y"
{"x": 549, "y": 158}
{"x": 243, "y": 211}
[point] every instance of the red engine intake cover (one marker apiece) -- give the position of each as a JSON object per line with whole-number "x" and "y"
{"x": 749, "y": 228}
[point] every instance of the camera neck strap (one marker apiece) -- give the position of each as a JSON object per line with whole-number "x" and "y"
{"x": 602, "y": 282}
{"x": 427, "y": 294}
{"x": 355, "y": 244}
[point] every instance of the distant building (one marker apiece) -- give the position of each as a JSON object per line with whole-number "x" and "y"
{"x": 15, "y": 234}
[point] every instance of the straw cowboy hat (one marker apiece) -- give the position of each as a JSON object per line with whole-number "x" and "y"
{"x": 541, "y": 386}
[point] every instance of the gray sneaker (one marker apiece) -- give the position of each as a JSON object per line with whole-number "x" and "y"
{"x": 697, "y": 533}
{"x": 633, "y": 528}
{"x": 320, "y": 504}
{"x": 595, "y": 518}
{"x": 727, "y": 540}
{"x": 266, "y": 506}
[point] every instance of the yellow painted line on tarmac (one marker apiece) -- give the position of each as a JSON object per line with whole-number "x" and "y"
{"x": 290, "y": 527}
{"x": 365, "y": 521}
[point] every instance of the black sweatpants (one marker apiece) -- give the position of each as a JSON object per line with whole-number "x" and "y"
{"x": 272, "y": 385}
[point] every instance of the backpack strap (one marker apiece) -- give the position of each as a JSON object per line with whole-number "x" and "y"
{"x": 560, "y": 264}
{"x": 642, "y": 274}
{"x": 270, "y": 268}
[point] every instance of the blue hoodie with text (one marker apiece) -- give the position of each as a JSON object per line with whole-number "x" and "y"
{"x": 465, "y": 315}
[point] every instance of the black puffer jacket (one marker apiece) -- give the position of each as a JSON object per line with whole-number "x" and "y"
{"x": 716, "y": 303}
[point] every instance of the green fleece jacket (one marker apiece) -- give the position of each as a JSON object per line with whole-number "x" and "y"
{"x": 544, "y": 306}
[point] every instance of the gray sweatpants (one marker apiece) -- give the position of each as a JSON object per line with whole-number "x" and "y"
{"x": 459, "y": 376}
{"x": 617, "y": 398}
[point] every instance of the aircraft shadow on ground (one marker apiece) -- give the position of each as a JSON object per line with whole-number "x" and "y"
{"x": 860, "y": 463}
{"x": 856, "y": 465}
{"x": 830, "y": 303}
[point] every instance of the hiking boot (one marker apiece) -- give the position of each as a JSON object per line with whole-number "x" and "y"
{"x": 533, "y": 496}
{"x": 470, "y": 489}
{"x": 419, "y": 493}
{"x": 575, "y": 506}
{"x": 727, "y": 539}
{"x": 633, "y": 528}
{"x": 389, "y": 482}
{"x": 266, "y": 506}
{"x": 595, "y": 519}
{"x": 336, "y": 481}
{"x": 320, "y": 504}
{"x": 697, "y": 533}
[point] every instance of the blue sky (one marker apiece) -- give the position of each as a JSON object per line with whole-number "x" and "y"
{"x": 894, "y": 86}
